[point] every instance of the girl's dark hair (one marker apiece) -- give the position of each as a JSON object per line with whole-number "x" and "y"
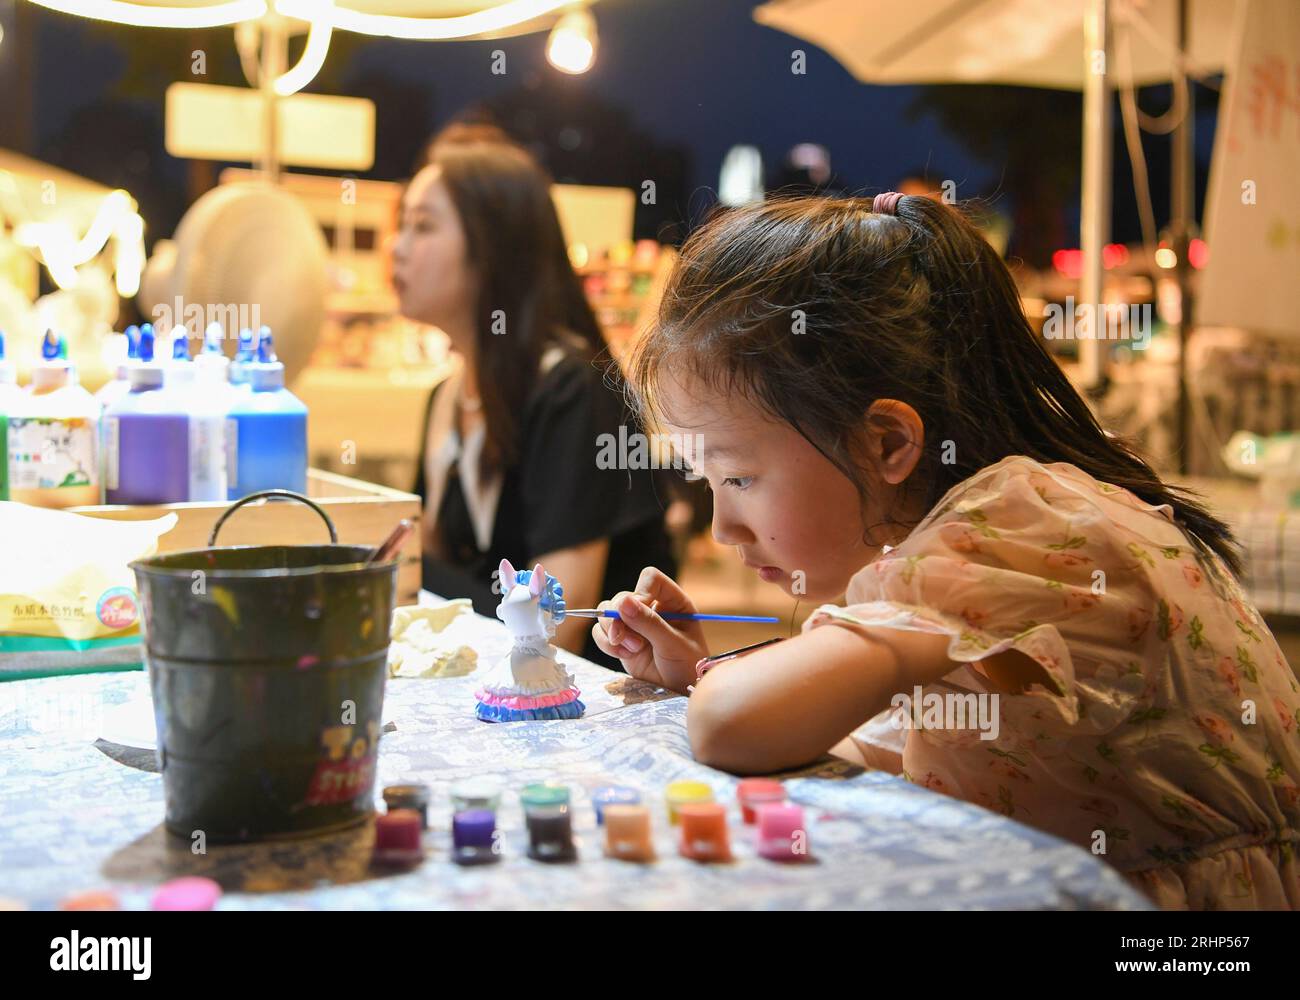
{"x": 515, "y": 246}
{"x": 813, "y": 308}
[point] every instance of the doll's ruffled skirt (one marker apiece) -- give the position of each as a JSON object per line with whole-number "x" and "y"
{"x": 494, "y": 707}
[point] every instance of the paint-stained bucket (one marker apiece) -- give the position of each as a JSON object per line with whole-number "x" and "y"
{"x": 267, "y": 666}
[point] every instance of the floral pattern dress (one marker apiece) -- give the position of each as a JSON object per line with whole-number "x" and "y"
{"x": 1168, "y": 739}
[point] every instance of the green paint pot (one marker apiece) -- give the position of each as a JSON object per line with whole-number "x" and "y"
{"x": 267, "y": 666}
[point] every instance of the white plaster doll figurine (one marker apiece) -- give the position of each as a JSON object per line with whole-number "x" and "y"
{"x": 530, "y": 682}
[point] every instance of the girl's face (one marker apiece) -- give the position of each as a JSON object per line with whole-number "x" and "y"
{"x": 793, "y": 516}
{"x": 431, "y": 274}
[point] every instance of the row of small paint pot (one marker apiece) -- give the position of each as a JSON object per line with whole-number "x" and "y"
{"x": 192, "y": 892}
{"x": 704, "y": 834}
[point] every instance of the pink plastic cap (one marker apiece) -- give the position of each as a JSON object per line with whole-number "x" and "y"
{"x": 781, "y": 832}
{"x": 193, "y": 893}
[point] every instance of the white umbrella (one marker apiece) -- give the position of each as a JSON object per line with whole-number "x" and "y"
{"x": 1034, "y": 43}
{"x": 1060, "y": 44}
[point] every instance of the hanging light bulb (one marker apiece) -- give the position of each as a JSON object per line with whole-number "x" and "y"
{"x": 572, "y": 45}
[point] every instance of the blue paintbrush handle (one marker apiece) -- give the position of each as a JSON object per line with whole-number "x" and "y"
{"x": 682, "y": 616}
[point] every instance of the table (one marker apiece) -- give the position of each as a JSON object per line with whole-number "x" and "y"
{"x": 72, "y": 818}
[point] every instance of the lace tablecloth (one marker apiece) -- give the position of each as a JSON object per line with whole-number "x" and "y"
{"x": 73, "y": 818}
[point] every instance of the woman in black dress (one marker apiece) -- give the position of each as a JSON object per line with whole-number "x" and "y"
{"x": 508, "y": 466}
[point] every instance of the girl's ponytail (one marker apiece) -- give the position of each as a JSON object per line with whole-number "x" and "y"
{"x": 972, "y": 290}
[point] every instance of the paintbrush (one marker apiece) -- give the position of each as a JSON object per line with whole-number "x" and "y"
{"x": 674, "y": 616}
{"x": 387, "y": 549}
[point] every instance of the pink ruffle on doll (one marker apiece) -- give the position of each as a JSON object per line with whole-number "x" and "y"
{"x": 530, "y": 682}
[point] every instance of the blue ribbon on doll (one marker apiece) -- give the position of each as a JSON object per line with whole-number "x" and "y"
{"x": 552, "y": 596}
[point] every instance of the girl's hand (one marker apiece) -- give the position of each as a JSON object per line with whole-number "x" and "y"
{"x": 650, "y": 648}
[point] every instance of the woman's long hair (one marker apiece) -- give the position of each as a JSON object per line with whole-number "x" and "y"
{"x": 812, "y": 308}
{"x": 529, "y": 297}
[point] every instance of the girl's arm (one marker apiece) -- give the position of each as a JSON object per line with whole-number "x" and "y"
{"x": 582, "y": 570}
{"x": 785, "y": 706}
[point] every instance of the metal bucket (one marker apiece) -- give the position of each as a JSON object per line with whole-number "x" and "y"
{"x": 267, "y": 666}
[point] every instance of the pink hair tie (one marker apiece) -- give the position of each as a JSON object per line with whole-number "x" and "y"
{"x": 886, "y": 203}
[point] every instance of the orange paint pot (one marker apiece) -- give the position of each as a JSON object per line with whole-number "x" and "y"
{"x": 95, "y": 899}
{"x": 627, "y": 833}
{"x": 704, "y": 832}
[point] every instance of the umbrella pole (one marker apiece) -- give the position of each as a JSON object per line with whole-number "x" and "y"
{"x": 1182, "y": 214}
{"x": 1094, "y": 221}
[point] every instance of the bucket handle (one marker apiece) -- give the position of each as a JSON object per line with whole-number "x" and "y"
{"x": 272, "y": 495}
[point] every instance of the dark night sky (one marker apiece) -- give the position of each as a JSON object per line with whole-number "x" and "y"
{"x": 696, "y": 74}
{"x": 699, "y": 73}
{"x": 702, "y": 73}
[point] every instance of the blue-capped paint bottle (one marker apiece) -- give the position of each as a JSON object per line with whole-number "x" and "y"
{"x": 146, "y": 437}
{"x": 179, "y": 371}
{"x": 206, "y": 418}
{"x": 117, "y": 387}
{"x": 54, "y": 443}
{"x": 245, "y": 355}
{"x": 266, "y": 432}
{"x": 209, "y": 399}
{"x": 110, "y": 392}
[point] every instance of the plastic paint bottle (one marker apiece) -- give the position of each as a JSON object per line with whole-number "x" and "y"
{"x": 147, "y": 440}
{"x": 11, "y": 402}
{"x": 178, "y": 373}
{"x": 110, "y": 392}
{"x": 210, "y": 398}
{"x": 245, "y": 355}
{"x": 207, "y": 417}
{"x": 266, "y": 432}
{"x": 54, "y": 443}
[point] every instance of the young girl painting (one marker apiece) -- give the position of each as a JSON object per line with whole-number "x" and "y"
{"x": 879, "y": 421}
